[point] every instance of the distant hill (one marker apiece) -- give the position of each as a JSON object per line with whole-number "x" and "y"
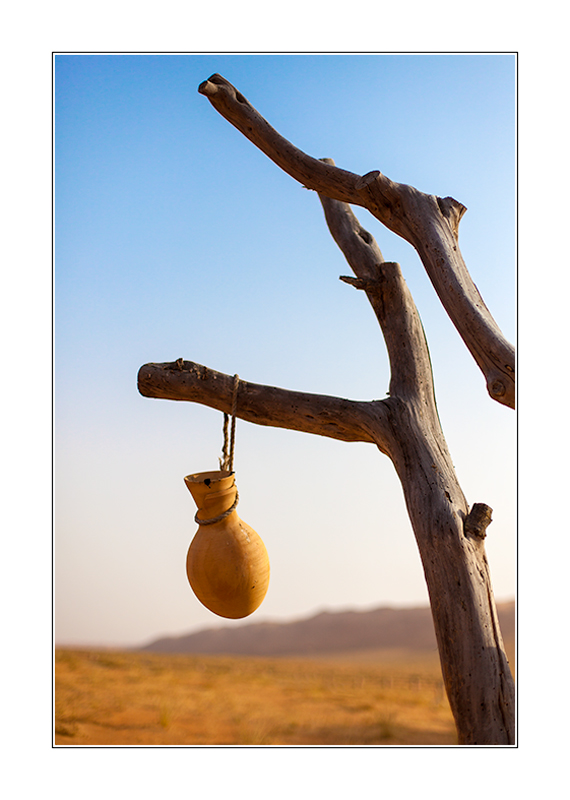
{"x": 327, "y": 632}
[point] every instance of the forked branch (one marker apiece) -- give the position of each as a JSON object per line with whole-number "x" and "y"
{"x": 428, "y": 222}
{"x": 334, "y": 417}
{"x": 384, "y": 284}
{"x": 405, "y": 425}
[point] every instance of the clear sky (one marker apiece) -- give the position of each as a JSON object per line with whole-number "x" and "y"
{"x": 175, "y": 237}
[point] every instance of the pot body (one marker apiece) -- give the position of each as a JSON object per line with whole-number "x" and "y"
{"x": 227, "y": 563}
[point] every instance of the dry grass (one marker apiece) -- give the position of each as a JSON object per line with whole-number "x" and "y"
{"x": 129, "y": 698}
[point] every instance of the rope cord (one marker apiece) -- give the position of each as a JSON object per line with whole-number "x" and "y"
{"x": 233, "y": 431}
{"x": 220, "y": 517}
{"x": 227, "y": 460}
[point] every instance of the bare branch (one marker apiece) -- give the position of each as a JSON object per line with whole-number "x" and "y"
{"x": 347, "y": 420}
{"x": 428, "y": 222}
{"x": 404, "y": 426}
{"x": 384, "y": 284}
{"x": 311, "y": 172}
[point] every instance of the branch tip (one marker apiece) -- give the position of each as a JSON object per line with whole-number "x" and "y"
{"x": 360, "y": 283}
{"x": 208, "y": 88}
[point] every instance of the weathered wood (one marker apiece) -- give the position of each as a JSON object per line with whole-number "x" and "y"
{"x": 476, "y": 673}
{"x": 429, "y": 223}
{"x": 405, "y": 426}
{"x": 347, "y": 420}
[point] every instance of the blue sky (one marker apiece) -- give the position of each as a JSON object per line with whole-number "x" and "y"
{"x": 175, "y": 237}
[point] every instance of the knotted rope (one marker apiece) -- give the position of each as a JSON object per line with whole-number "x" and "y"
{"x": 220, "y": 517}
{"x": 227, "y": 460}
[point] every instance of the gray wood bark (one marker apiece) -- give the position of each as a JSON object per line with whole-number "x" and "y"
{"x": 405, "y": 426}
{"x": 429, "y": 223}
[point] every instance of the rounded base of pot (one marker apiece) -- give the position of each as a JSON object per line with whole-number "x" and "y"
{"x": 228, "y": 568}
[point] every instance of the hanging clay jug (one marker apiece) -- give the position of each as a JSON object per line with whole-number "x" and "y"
{"x": 227, "y": 563}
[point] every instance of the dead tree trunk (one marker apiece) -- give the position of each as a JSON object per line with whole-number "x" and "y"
{"x": 405, "y": 426}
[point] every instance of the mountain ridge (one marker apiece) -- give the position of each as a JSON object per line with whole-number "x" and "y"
{"x": 325, "y": 632}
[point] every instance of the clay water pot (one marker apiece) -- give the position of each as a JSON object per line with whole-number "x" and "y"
{"x": 227, "y": 563}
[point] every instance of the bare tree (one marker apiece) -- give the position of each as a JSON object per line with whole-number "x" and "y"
{"x": 405, "y": 426}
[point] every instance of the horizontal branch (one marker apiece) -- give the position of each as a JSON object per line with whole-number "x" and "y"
{"x": 337, "y": 418}
{"x": 429, "y": 223}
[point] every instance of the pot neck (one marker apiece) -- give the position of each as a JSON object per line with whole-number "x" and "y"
{"x": 213, "y": 492}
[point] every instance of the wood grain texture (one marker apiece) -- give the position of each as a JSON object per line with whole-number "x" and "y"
{"x": 429, "y": 223}
{"x": 405, "y": 426}
{"x": 477, "y": 676}
{"x": 335, "y": 417}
